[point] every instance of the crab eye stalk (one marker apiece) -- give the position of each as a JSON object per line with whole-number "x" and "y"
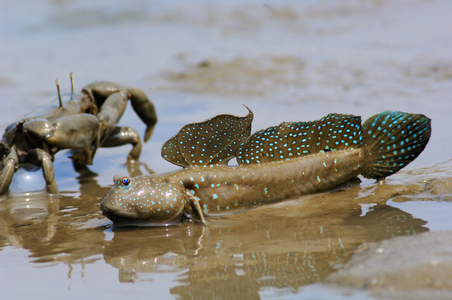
{"x": 57, "y": 81}
{"x": 72, "y": 86}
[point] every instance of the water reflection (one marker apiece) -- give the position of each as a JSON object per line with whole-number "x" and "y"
{"x": 58, "y": 228}
{"x": 50, "y": 227}
{"x": 246, "y": 253}
{"x": 284, "y": 246}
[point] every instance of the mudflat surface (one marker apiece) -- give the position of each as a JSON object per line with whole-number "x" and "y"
{"x": 287, "y": 61}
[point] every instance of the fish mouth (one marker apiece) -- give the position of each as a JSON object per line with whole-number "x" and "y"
{"x": 134, "y": 221}
{"x": 113, "y": 216}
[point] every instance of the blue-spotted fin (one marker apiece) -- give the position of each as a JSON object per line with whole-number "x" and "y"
{"x": 277, "y": 163}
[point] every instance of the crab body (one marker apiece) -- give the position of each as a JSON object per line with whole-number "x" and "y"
{"x": 81, "y": 121}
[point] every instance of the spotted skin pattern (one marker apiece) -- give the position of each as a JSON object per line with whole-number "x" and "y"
{"x": 280, "y": 162}
{"x": 214, "y": 141}
{"x": 396, "y": 139}
{"x": 294, "y": 139}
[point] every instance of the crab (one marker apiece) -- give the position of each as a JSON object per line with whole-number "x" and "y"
{"x": 81, "y": 121}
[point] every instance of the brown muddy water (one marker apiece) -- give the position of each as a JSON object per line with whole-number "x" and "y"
{"x": 287, "y": 61}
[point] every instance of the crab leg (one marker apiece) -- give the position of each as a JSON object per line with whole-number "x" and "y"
{"x": 125, "y": 135}
{"x": 141, "y": 104}
{"x": 110, "y": 113}
{"x": 41, "y": 157}
{"x": 101, "y": 89}
{"x": 145, "y": 109}
{"x": 10, "y": 164}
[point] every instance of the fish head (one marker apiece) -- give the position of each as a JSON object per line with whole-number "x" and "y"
{"x": 144, "y": 199}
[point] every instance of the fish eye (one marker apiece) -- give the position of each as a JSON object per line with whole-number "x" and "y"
{"x": 125, "y": 181}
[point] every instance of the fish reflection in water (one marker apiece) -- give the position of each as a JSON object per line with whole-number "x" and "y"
{"x": 243, "y": 256}
{"x": 42, "y": 223}
{"x": 236, "y": 254}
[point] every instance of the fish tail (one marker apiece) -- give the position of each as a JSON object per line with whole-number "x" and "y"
{"x": 392, "y": 140}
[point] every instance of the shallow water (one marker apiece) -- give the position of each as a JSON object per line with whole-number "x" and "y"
{"x": 287, "y": 61}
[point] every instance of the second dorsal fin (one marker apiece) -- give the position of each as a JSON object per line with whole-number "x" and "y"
{"x": 212, "y": 142}
{"x": 294, "y": 139}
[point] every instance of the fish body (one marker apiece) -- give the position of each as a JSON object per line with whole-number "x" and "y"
{"x": 275, "y": 164}
{"x": 222, "y": 189}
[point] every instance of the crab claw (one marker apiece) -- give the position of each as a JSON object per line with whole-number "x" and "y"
{"x": 76, "y": 132}
{"x": 38, "y": 127}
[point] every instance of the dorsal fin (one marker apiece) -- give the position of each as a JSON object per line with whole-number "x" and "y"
{"x": 212, "y": 142}
{"x": 294, "y": 139}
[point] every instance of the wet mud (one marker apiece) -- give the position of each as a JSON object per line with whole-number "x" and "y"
{"x": 284, "y": 246}
{"x": 258, "y": 77}
{"x": 287, "y": 61}
{"x": 423, "y": 261}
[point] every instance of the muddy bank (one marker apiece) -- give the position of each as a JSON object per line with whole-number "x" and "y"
{"x": 417, "y": 267}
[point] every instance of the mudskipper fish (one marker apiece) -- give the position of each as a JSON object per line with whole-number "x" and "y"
{"x": 277, "y": 163}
